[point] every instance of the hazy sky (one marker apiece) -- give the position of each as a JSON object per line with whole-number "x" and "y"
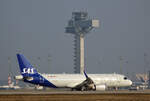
{"x": 36, "y": 28}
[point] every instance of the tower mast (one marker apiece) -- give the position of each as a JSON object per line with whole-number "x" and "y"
{"x": 79, "y": 26}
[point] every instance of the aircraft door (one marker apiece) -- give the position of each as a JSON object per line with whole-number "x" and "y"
{"x": 118, "y": 81}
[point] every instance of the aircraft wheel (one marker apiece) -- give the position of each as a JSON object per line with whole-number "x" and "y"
{"x": 83, "y": 88}
{"x": 94, "y": 88}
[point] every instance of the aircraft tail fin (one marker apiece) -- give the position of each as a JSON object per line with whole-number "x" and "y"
{"x": 26, "y": 68}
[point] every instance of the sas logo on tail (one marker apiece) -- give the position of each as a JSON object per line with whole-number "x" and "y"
{"x": 28, "y": 70}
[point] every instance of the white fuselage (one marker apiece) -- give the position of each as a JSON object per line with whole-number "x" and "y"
{"x": 71, "y": 80}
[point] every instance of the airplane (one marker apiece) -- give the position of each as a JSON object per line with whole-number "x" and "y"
{"x": 79, "y": 82}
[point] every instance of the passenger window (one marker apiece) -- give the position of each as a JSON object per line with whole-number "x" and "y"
{"x": 125, "y": 78}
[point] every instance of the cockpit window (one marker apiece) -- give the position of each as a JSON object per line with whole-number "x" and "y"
{"x": 125, "y": 78}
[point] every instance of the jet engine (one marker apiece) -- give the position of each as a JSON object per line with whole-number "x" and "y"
{"x": 101, "y": 87}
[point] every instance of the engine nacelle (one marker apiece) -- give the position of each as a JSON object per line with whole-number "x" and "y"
{"x": 101, "y": 87}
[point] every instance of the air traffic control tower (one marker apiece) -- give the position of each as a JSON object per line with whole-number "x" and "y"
{"x": 79, "y": 26}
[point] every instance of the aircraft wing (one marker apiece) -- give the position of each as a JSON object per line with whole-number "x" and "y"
{"x": 87, "y": 84}
{"x": 73, "y": 85}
